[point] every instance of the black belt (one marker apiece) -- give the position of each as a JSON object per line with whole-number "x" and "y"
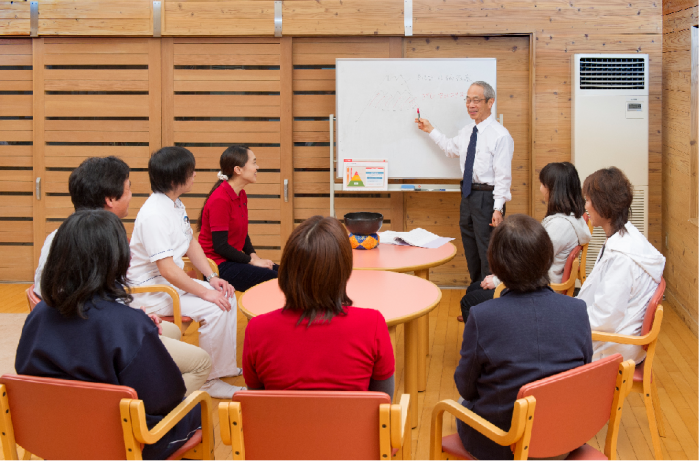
{"x": 478, "y": 186}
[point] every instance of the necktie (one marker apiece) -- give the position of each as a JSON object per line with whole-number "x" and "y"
{"x": 469, "y": 165}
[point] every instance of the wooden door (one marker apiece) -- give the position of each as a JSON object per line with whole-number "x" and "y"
{"x": 16, "y": 178}
{"x": 93, "y": 97}
{"x": 218, "y": 92}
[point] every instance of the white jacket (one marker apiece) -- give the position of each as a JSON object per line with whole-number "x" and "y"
{"x": 619, "y": 288}
{"x": 566, "y": 232}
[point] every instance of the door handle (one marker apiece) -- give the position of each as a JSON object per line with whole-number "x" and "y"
{"x": 38, "y": 188}
{"x": 286, "y": 190}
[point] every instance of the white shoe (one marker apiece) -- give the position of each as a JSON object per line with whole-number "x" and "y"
{"x": 219, "y": 389}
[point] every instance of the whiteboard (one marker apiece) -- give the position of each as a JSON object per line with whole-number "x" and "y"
{"x": 376, "y": 102}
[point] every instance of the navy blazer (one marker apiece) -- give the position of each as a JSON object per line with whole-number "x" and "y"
{"x": 116, "y": 344}
{"x": 509, "y": 342}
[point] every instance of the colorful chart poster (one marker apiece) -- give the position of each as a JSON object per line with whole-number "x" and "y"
{"x": 365, "y": 175}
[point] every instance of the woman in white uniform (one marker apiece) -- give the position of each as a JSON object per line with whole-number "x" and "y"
{"x": 627, "y": 270}
{"x": 162, "y": 236}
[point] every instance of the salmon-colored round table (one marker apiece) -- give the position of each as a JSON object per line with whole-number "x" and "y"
{"x": 400, "y": 298}
{"x": 403, "y": 258}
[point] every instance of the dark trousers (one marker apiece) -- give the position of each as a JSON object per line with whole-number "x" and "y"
{"x": 475, "y": 295}
{"x": 475, "y": 213}
{"x": 244, "y": 276}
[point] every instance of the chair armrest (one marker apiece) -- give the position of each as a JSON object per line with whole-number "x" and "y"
{"x": 569, "y": 284}
{"x": 497, "y": 294}
{"x": 177, "y": 314}
{"x": 231, "y": 427}
{"x": 399, "y": 418}
{"x": 523, "y": 412}
{"x": 134, "y": 410}
{"x": 633, "y": 340}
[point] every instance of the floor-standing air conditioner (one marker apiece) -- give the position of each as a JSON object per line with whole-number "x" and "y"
{"x": 610, "y": 126}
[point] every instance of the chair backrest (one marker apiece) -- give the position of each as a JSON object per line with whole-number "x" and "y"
{"x": 62, "y": 419}
{"x": 32, "y": 298}
{"x": 571, "y": 406}
{"x": 651, "y": 309}
{"x": 570, "y": 262}
{"x": 311, "y": 424}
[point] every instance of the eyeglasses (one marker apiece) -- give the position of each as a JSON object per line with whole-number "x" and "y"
{"x": 475, "y": 100}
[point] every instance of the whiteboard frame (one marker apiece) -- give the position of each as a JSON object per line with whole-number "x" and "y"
{"x": 336, "y": 148}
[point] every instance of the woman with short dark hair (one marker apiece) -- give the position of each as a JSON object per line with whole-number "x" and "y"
{"x": 628, "y": 269}
{"x": 223, "y": 222}
{"x": 318, "y": 340}
{"x": 529, "y": 333}
{"x": 82, "y": 330}
{"x": 561, "y": 190}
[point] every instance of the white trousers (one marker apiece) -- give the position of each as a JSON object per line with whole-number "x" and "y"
{"x": 217, "y": 328}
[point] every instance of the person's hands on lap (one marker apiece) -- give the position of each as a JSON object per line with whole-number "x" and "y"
{"x": 487, "y": 283}
{"x": 256, "y": 260}
{"x": 496, "y": 219}
{"x": 220, "y": 294}
{"x": 222, "y": 285}
{"x": 424, "y": 125}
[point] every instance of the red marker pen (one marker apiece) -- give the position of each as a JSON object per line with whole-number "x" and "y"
{"x": 418, "y": 110}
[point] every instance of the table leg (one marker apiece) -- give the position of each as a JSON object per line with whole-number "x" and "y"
{"x": 410, "y": 353}
{"x": 392, "y": 335}
{"x": 423, "y": 340}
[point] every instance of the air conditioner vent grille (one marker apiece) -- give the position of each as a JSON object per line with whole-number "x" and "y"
{"x": 612, "y": 73}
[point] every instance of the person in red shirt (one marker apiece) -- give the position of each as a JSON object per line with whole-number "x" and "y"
{"x": 223, "y": 223}
{"x": 318, "y": 341}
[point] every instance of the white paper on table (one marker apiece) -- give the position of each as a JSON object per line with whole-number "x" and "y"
{"x": 417, "y": 237}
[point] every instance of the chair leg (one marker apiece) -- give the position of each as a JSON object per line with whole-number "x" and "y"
{"x": 651, "y": 416}
{"x": 657, "y": 409}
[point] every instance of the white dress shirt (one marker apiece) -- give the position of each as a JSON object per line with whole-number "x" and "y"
{"x": 494, "y": 153}
{"x": 42, "y": 262}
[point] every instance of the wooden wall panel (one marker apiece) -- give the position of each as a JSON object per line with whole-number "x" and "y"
{"x": 95, "y": 17}
{"x": 16, "y": 161}
{"x": 679, "y": 232}
{"x": 101, "y": 97}
{"x": 224, "y": 92}
{"x": 224, "y": 18}
{"x": 14, "y": 17}
{"x": 348, "y": 17}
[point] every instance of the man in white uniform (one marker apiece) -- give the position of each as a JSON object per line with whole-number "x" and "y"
{"x": 162, "y": 236}
{"x": 485, "y": 151}
{"x": 103, "y": 183}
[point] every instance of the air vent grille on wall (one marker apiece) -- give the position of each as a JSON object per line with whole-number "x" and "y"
{"x": 612, "y": 73}
{"x": 637, "y": 218}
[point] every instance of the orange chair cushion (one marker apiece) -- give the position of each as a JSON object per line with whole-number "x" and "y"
{"x": 171, "y": 319}
{"x": 569, "y": 263}
{"x": 639, "y": 373}
{"x": 32, "y": 298}
{"x": 651, "y": 307}
{"x": 586, "y": 452}
{"x": 195, "y": 440}
{"x": 452, "y": 445}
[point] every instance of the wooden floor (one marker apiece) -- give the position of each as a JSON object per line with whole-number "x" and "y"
{"x": 675, "y": 369}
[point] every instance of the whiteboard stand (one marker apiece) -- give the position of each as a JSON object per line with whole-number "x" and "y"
{"x": 422, "y": 187}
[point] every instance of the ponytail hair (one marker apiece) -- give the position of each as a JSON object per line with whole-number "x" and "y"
{"x": 234, "y": 156}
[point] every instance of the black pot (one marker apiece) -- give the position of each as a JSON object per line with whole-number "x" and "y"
{"x": 363, "y": 223}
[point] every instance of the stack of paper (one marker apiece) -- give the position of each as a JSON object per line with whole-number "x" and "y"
{"x": 417, "y": 237}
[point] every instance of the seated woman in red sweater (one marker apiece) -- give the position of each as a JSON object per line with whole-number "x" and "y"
{"x": 344, "y": 348}
{"x": 223, "y": 223}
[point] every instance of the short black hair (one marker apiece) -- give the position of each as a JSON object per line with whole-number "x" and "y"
{"x": 89, "y": 257}
{"x": 564, "y": 186}
{"x": 96, "y": 179}
{"x": 520, "y": 253}
{"x": 169, "y": 168}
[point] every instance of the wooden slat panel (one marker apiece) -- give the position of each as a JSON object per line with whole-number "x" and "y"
{"x": 253, "y": 75}
{"x": 227, "y": 127}
{"x": 95, "y": 59}
{"x": 96, "y": 85}
{"x": 16, "y": 206}
{"x": 96, "y": 105}
{"x": 17, "y": 85}
{"x": 16, "y": 125}
{"x": 72, "y": 156}
{"x": 14, "y": 18}
{"x": 16, "y": 75}
{"x": 16, "y": 232}
{"x": 97, "y": 45}
{"x": 227, "y": 85}
{"x": 226, "y": 49}
{"x": 356, "y": 17}
{"x": 219, "y": 18}
{"x": 227, "y": 60}
{"x": 15, "y": 59}
{"x": 233, "y": 138}
{"x": 96, "y": 125}
{"x": 95, "y": 9}
{"x": 16, "y": 263}
{"x": 312, "y": 105}
{"x": 96, "y": 136}
{"x": 226, "y": 106}
{"x": 118, "y": 27}
{"x": 16, "y": 105}
{"x": 16, "y": 181}
{"x": 97, "y": 74}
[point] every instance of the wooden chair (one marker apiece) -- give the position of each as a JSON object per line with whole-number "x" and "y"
{"x": 194, "y": 272}
{"x": 316, "y": 425}
{"x": 571, "y": 408}
{"x": 32, "y": 298}
{"x": 63, "y": 419}
{"x": 570, "y": 275}
{"x": 643, "y": 381}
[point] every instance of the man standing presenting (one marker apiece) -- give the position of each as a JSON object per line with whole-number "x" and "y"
{"x": 485, "y": 151}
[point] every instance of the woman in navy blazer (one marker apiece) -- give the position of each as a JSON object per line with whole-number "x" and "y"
{"x": 527, "y": 334}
